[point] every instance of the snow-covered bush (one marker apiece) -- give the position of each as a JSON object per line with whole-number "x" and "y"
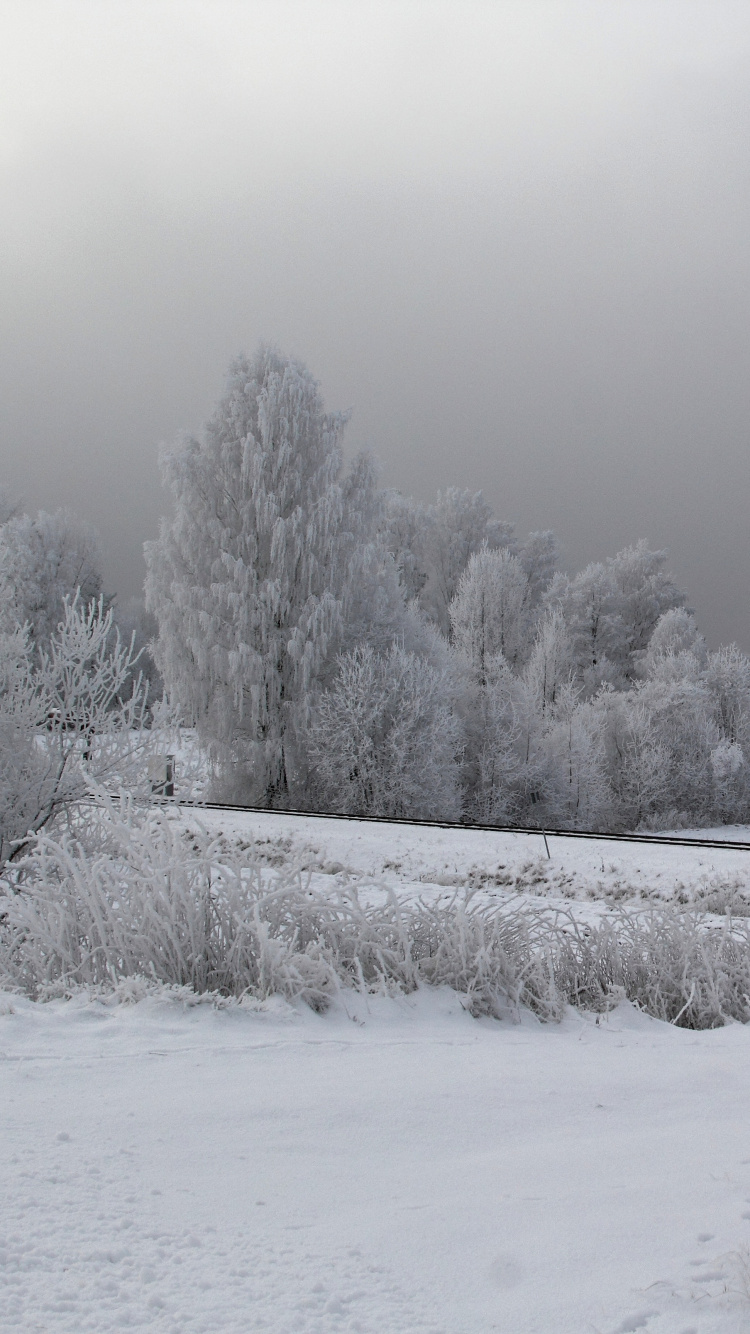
{"x": 137, "y": 894}
{"x": 147, "y": 898}
{"x": 676, "y": 966}
{"x": 63, "y": 723}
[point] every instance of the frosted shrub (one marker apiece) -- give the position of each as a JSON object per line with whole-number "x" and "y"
{"x": 487, "y": 957}
{"x": 673, "y": 965}
{"x": 142, "y": 897}
{"x": 64, "y": 724}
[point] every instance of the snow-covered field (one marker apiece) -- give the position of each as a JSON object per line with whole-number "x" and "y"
{"x": 391, "y": 1166}
{"x": 436, "y": 863}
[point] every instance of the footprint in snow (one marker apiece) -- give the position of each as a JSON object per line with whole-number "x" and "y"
{"x": 631, "y": 1323}
{"x": 507, "y": 1272}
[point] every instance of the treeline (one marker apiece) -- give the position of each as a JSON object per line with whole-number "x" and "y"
{"x": 341, "y": 647}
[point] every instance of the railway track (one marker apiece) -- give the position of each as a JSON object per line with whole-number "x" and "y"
{"x": 658, "y": 840}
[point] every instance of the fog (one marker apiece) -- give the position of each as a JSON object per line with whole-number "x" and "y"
{"x": 513, "y": 238}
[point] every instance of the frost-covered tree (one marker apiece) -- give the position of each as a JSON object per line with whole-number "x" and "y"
{"x": 488, "y": 612}
{"x": 637, "y": 760}
{"x": 611, "y": 609}
{"x": 544, "y": 697}
{"x": 385, "y": 740}
{"x": 731, "y": 782}
{"x": 377, "y": 613}
{"x": 404, "y": 526}
{"x": 576, "y": 789}
{"x": 249, "y": 582}
{"x": 63, "y": 723}
{"x": 489, "y": 622}
{"x": 538, "y": 555}
{"x": 493, "y": 769}
{"x": 526, "y": 734}
{"x": 726, "y": 679}
{"x": 459, "y": 524}
{"x": 44, "y": 561}
{"x": 676, "y": 647}
{"x": 659, "y": 738}
{"x": 431, "y": 546}
{"x": 726, "y": 675}
{"x": 645, "y": 592}
{"x": 590, "y": 606}
{"x": 547, "y": 679}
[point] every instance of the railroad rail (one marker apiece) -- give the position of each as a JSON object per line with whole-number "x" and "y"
{"x": 658, "y": 840}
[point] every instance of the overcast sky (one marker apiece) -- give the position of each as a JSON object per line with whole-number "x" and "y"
{"x": 513, "y": 237}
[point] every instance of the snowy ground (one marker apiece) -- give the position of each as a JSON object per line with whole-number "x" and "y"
{"x": 389, "y": 1169}
{"x": 438, "y": 862}
{"x": 393, "y": 1166}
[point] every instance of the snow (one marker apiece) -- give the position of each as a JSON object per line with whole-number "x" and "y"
{"x": 393, "y": 1166}
{"x": 420, "y": 861}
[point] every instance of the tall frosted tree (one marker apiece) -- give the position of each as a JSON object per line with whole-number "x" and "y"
{"x": 249, "y": 580}
{"x": 493, "y": 611}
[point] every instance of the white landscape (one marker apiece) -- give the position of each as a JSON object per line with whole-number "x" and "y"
{"x": 267, "y": 1072}
{"x": 358, "y": 973}
{"x": 392, "y": 1164}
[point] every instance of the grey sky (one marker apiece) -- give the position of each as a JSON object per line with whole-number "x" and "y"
{"x": 513, "y": 237}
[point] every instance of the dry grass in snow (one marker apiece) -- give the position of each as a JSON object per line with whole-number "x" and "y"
{"x": 142, "y": 897}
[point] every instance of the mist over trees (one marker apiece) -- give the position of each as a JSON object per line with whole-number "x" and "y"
{"x": 45, "y": 560}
